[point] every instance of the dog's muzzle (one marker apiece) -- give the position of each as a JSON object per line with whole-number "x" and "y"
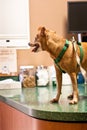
{"x": 35, "y": 46}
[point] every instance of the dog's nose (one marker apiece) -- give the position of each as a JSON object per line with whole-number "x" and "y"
{"x": 30, "y": 44}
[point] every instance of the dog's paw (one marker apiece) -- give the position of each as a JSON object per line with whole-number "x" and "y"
{"x": 54, "y": 100}
{"x": 74, "y": 101}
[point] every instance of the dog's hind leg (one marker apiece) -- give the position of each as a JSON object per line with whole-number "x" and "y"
{"x": 59, "y": 84}
{"x": 73, "y": 77}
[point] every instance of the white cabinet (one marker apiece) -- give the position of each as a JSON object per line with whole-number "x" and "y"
{"x": 14, "y": 22}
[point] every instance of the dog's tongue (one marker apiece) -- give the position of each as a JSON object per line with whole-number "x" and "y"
{"x": 36, "y": 46}
{"x": 34, "y": 49}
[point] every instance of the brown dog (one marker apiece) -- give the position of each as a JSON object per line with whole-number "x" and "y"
{"x": 49, "y": 41}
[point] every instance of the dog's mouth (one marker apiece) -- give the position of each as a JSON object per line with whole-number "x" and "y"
{"x": 35, "y": 46}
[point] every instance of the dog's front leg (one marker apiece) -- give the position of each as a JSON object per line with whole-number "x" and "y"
{"x": 59, "y": 85}
{"x": 75, "y": 88}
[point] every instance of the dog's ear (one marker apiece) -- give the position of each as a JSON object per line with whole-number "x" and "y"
{"x": 42, "y": 31}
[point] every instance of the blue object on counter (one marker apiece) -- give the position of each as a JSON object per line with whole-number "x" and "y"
{"x": 80, "y": 78}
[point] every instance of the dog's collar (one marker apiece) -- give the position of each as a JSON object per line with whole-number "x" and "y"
{"x": 58, "y": 59}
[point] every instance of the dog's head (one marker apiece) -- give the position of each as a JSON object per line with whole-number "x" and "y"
{"x": 40, "y": 40}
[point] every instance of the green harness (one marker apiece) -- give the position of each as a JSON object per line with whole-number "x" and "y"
{"x": 58, "y": 59}
{"x": 81, "y": 51}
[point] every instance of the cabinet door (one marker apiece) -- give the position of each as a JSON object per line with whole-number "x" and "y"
{"x": 0, "y": 116}
{"x": 14, "y": 23}
{"x": 12, "y": 119}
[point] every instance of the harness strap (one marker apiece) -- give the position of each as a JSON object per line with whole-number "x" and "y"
{"x": 62, "y": 52}
{"x": 81, "y": 51}
{"x": 57, "y": 60}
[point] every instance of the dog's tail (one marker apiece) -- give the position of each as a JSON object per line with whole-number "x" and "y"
{"x": 84, "y": 73}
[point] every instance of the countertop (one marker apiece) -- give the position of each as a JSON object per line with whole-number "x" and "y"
{"x": 35, "y": 102}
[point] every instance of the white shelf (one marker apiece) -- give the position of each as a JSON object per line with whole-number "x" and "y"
{"x": 18, "y": 44}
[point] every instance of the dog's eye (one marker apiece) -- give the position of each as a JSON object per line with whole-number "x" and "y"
{"x": 37, "y": 37}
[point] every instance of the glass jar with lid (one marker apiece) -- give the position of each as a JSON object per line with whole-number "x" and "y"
{"x": 27, "y": 76}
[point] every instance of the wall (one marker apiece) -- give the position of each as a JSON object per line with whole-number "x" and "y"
{"x": 48, "y": 13}
{"x": 26, "y": 57}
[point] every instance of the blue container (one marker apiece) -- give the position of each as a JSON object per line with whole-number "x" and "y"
{"x": 80, "y": 78}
